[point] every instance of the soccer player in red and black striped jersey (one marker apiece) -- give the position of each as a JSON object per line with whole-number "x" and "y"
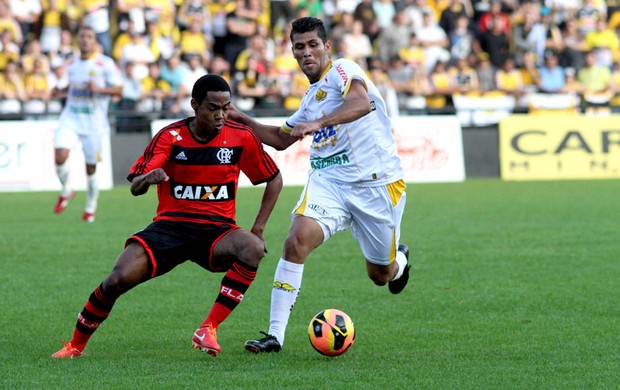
{"x": 195, "y": 164}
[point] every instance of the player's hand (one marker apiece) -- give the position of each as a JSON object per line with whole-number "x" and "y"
{"x": 303, "y": 129}
{"x": 259, "y": 232}
{"x": 234, "y": 113}
{"x": 156, "y": 176}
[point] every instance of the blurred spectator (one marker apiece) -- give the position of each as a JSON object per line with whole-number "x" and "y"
{"x": 126, "y": 120}
{"x": 462, "y": 40}
{"x": 357, "y": 45}
{"x": 464, "y": 78}
{"x": 12, "y": 91}
{"x": 573, "y": 45}
{"x": 219, "y": 9}
{"x": 139, "y": 54}
{"x": 439, "y": 87}
{"x": 551, "y": 78}
{"x": 587, "y": 15}
{"x": 365, "y": 13}
{"x": 31, "y": 54}
{"x": 192, "y": 9}
{"x": 173, "y": 73}
{"x": 530, "y": 36}
{"x": 341, "y": 28}
{"x": 414, "y": 11}
{"x": 400, "y": 75}
{"x": 126, "y": 11}
{"x": 255, "y": 89}
{"x": 529, "y": 71}
{"x": 553, "y": 35}
{"x": 298, "y": 86}
{"x": 221, "y": 67}
{"x": 156, "y": 91}
{"x": 384, "y": 85}
{"x": 240, "y": 24}
{"x": 385, "y": 11}
{"x": 596, "y": 84}
{"x": 162, "y": 12}
{"x": 508, "y": 79}
{"x": 49, "y": 26}
{"x": 393, "y": 38}
{"x": 281, "y": 14}
{"x": 604, "y": 44}
{"x": 193, "y": 71}
{"x": 37, "y": 89}
{"x": 8, "y": 22}
{"x": 255, "y": 49}
{"x": 485, "y": 71}
{"x": 162, "y": 43}
{"x": 193, "y": 40}
{"x": 615, "y": 87}
{"x": 96, "y": 15}
{"x": 495, "y": 43}
{"x": 486, "y": 19}
{"x": 123, "y": 39}
{"x": 9, "y": 50}
{"x": 450, "y": 14}
{"x": 27, "y": 14}
{"x": 413, "y": 54}
{"x": 434, "y": 40}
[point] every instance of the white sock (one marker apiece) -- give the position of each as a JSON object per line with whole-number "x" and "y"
{"x": 63, "y": 176}
{"x": 401, "y": 260}
{"x": 92, "y": 193}
{"x": 286, "y": 284}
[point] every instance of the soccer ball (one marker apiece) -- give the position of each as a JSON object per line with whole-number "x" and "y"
{"x": 331, "y": 332}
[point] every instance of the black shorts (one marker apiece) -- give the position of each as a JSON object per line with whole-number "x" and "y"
{"x": 169, "y": 244}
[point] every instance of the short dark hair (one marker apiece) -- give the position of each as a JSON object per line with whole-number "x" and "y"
{"x": 307, "y": 24}
{"x": 209, "y": 83}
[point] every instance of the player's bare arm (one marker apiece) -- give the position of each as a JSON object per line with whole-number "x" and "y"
{"x": 140, "y": 184}
{"x": 112, "y": 91}
{"x": 269, "y": 135}
{"x": 356, "y": 105}
{"x": 270, "y": 196}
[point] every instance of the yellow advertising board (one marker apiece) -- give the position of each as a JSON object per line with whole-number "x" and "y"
{"x": 559, "y": 147}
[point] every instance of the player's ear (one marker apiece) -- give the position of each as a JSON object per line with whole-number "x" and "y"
{"x": 194, "y": 104}
{"x": 328, "y": 46}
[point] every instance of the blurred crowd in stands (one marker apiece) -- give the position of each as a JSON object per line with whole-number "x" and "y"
{"x": 423, "y": 54}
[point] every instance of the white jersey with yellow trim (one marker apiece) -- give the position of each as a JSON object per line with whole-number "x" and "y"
{"x": 85, "y": 112}
{"x": 362, "y": 151}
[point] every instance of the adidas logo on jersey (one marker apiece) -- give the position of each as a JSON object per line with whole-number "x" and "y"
{"x": 181, "y": 156}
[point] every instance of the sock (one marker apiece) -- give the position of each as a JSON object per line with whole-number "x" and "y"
{"x": 401, "y": 260}
{"x": 235, "y": 283}
{"x": 286, "y": 284}
{"x": 96, "y": 310}
{"x": 63, "y": 176}
{"x": 92, "y": 193}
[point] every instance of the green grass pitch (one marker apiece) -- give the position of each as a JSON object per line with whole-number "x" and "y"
{"x": 515, "y": 285}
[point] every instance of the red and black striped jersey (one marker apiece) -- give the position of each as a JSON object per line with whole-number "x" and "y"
{"x": 203, "y": 175}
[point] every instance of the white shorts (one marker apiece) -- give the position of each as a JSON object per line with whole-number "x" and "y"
{"x": 67, "y": 138}
{"x": 374, "y": 214}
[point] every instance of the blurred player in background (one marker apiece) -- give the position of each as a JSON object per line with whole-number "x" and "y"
{"x": 356, "y": 179}
{"x": 195, "y": 163}
{"x": 93, "y": 79}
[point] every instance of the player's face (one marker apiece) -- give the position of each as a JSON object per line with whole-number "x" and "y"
{"x": 87, "y": 41}
{"x": 213, "y": 111}
{"x": 311, "y": 54}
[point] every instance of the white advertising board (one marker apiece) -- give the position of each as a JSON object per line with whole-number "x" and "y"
{"x": 27, "y": 158}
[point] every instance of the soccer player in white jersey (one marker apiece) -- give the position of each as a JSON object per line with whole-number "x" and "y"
{"x": 355, "y": 181}
{"x": 93, "y": 79}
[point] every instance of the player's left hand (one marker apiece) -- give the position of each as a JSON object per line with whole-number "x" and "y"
{"x": 303, "y": 129}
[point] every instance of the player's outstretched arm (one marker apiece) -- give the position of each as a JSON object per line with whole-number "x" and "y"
{"x": 140, "y": 184}
{"x": 356, "y": 105}
{"x": 269, "y": 135}
{"x": 270, "y": 196}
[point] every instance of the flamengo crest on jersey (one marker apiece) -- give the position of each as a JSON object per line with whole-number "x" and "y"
{"x": 363, "y": 151}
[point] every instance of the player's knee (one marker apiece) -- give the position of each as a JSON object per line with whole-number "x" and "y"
{"x": 379, "y": 275}
{"x": 253, "y": 252}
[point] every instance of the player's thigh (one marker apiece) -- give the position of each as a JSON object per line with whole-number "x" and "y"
{"x": 131, "y": 268}
{"x": 377, "y": 216}
{"x": 240, "y": 244}
{"x": 65, "y": 137}
{"x": 324, "y": 202}
{"x": 91, "y": 146}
